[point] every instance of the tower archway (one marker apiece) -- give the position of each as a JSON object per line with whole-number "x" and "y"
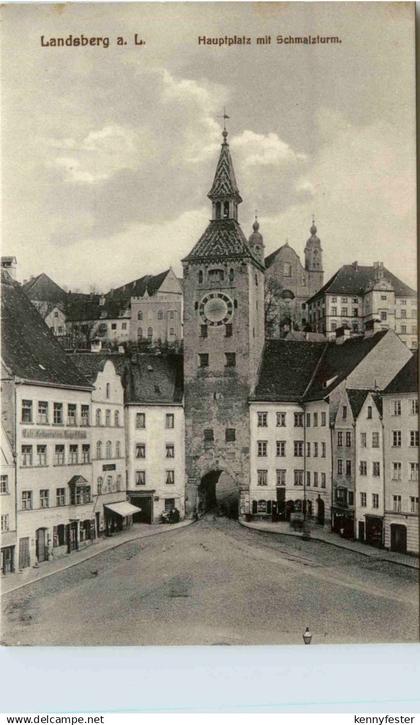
{"x": 218, "y": 492}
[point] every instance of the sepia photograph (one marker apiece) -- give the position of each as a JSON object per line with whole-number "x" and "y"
{"x": 209, "y": 368}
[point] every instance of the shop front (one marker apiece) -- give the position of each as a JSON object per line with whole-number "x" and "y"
{"x": 374, "y": 531}
{"x": 119, "y": 516}
{"x": 342, "y": 522}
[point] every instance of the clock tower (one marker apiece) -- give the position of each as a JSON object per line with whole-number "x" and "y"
{"x": 223, "y": 344}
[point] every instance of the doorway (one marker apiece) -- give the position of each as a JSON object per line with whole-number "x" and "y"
{"x": 399, "y": 538}
{"x": 145, "y": 503}
{"x": 218, "y": 492}
{"x": 41, "y": 545}
{"x": 24, "y": 558}
{"x": 361, "y": 531}
{"x": 320, "y": 511}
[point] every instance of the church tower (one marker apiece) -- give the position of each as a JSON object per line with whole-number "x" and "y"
{"x": 223, "y": 344}
{"x": 313, "y": 261}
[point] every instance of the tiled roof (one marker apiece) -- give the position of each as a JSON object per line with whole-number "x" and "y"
{"x": 407, "y": 380}
{"x": 44, "y": 288}
{"x": 356, "y": 400}
{"x": 351, "y": 279}
{"x": 286, "y": 369}
{"x": 222, "y": 238}
{"x": 224, "y": 184}
{"x": 91, "y": 363}
{"x": 29, "y": 349}
{"x": 138, "y": 287}
{"x": 154, "y": 379}
{"x": 338, "y": 362}
{"x": 82, "y": 307}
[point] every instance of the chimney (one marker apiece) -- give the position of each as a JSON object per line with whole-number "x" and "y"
{"x": 342, "y": 334}
{"x": 9, "y": 264}
{"x": 372, "y": 327}
{"x": 378, "y": 270}
{"x": 355, "y": 266}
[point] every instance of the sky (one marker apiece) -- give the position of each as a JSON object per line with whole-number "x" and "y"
{"x": 109, "y": 153}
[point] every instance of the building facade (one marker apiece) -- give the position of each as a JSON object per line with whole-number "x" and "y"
{"x": 369, "y": 496}
{"x": 8, "y": 536}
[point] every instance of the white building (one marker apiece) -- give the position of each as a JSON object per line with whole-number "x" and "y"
{"x": 7, "y": 504}
{"x": 369, "y": 467}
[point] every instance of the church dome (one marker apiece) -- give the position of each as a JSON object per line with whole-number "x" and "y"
{"x": 313, "y": 240}
{"x": 256, "y": 237}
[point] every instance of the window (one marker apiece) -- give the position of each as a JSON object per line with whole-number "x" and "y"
{"x": 339, "y": 439}
{"x": 298, "y": 477}
{"x": 71, "y": 414}
{"x": 26, "y": 411}
{"x": 262, "y": 420}
{"x": 44, "y": 498}
{"x": 203, "y": 331}
{"x": 348, "y": 468}
{"x": 298, "y": 448}
{"x": 323, "y": 480}
{"x": 79, "y": 495}
{"x": 375, "y": 439}
{"x": 170, "y": 420}
{"x": 376, "y": 468}
{"x": 84, "y": 415}
{"x": 280, "y": 448}
{"x": 107, "y": 418}
{"x": 216, "y": 275}
{"x": 200, "y": 274}
{"x": 281, "y": 419}
{"x": 99, "y": 450}
{"x": 86, "y": 453}
{"x": 42, "y": 411}
{"x": 41, "y": 452}
{"x": 228, "y": 330}
{"x": 58, "y": 414}
{"x": 208, "y": 435}
{"x": 414, "y": 504}
{"x": 261, "y": 448}
{"x": 334, "y": 311}
{"x": 344, "y": 409}
{"x": 170, "y": 450}
{"x": 4, "y": 483}
{"x": 324, "y": 450}
{"x": 308, "y": 478}
{"x": 414, "y": 471}
{"x": 108, "y": 449}
{"x": 363, "y": 440}
{"x": 363, "y": 468}
{"x": 4, "y": 522}
{"x": 160, "y": 315}
{"x": 355, "y": 312}
{"x": 59, "y": 455}
{"x": 281, "y": 477}
{"x": 150, "y": 333}
{"x": 141, "y": 450}
{"x": 169, "y": 504}
{"x": 339, "y": 467}
{"x": 403, "y": 314}
{"x": 60, "y": 496}
{"x": 73, "y": 454}
{"x": 287, "y": 269}
{"x": 139, "y": 315}
{"x": 396, "y": 438}
{"x": 262, "y": 478}
{"x": 140, "y": 478}
{"x": 414, "y": 438}
{"x": 98, "y": 417}
{"x": 383, "y": 315}
{"x": 26, "y": 500}
{"x": 230, "y": 435}
{"x": 396, "y": 501}
{"x": 403, "y": 329}
{"x": 117, "y": 418}
{"x": 414, "y": 406}
{"x": 375, "y": 500}
{"x": 315, "y": 419}
{"x": 119, "y": 482}
{"x": 170, "y": 477}
{"x": 99, "y": 484}
{"x": 26, "y": 455}
{"x": 308, "y": 449}
{"x": 323, "y": 419}
{"x": 363, "y": 500}
{"x": 308, "y": 420}
{"x": 123, "y": 325}
{"x": 203, "y": 360}
{"x": 348, "y": 439}
{"x": 333, "y": 299}
{"x": 230, "y": 359}
{"x": 298, "y": 417}
{"x": 315, "y": 450}
{"x": 396, "y": 471}
{"x": 140, "y": 420}
{"x": 397, "y": 407}
{"x": 344, "y": 312}
{"x": 140, "y": 333}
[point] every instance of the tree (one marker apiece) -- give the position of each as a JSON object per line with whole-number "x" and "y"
{"x": 272, "y": 300}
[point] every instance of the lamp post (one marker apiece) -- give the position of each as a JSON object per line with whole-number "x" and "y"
{"x": 307, "y": 636}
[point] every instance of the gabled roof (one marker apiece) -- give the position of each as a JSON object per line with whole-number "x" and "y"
{"x": 339, "y": 361}
{"x": 224, "y": 184}
{"x": 407, "y": 380}
{"x": 44, "y": 288}
{"x": 269, "y": 261}
{"x": 356, "y": 279}
{"x": 286, "y": 369}
{"x": 356, "y": 400}
{"x": 92, "y": 363}
{"x": 223, "y": 238}
{"x": 83, "y": 307}
{"x": 154, "y": 379}
{"x": 29, "y": 348}
{"x": 137, "y": 288}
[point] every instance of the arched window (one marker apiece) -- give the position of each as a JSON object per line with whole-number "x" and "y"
{"x": 231, "y": 275}
{"x": 117, "y": 418}
{"x": 108, "y": 453}
{"x": 99, "y": 485}
{"x": 200, "y": 276}
{"x": 109, "y": 483}
{"x": 98, "y": 417}
{"x": 139, "y": 333}
{"x": 118, "y": 449}
{"x": 160, "y": 315}
{"x": 150, "y": 333}
{"x": 119, "y": 482}
{"x": 225, "y": 210}
{"x": 108, "y": 390}
{"x": 99, "y": 450}
{"x": 218, "y": 210}
{"x": 139, "y": 315}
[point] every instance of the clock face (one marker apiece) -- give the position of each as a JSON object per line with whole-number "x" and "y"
{"x": 216, "y": 309}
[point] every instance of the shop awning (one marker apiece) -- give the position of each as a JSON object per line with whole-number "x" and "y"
{"x": 122, "y": 508}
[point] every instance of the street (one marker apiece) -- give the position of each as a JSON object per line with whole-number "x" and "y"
{"x": 217, "y": 583}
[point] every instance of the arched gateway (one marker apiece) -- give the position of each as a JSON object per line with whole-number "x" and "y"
{"x": 218, "y": 492}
